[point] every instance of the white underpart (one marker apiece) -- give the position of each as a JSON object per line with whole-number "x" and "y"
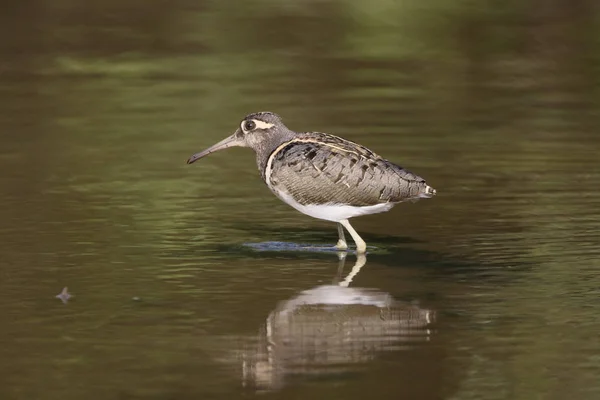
{"x": 328, "y": 212}
{"x": 332, "y": 212}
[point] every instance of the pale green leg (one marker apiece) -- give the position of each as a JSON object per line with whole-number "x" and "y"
{"x": 361, "y": 246}
{"x": 341, "y": 244}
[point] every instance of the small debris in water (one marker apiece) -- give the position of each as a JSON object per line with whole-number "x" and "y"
{"x": 64, "y": 296}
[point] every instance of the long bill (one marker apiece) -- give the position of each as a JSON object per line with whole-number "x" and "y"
{"x": 230, "y": 141}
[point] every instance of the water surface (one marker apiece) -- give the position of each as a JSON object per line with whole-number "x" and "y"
{"x": 488, "y": 291}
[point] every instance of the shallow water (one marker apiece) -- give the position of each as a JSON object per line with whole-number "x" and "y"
{"x": 196, "y": 282}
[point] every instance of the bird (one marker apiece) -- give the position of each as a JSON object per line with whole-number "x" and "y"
{"x": 322, "y": 175}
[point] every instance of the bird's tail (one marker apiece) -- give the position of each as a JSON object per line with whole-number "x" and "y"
{"x": 427, "y": 192}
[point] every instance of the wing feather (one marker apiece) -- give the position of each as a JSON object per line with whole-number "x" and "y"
{"x": 317, "y": 168}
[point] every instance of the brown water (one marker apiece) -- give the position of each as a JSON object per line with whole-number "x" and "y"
{"x": 188, "y": 281}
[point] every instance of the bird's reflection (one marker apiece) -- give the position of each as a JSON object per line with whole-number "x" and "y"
{"x": 361, "y": 260}
{"x": 332, "y": 329}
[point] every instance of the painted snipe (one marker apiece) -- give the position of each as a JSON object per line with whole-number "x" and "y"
{"x": 323, "y": 175}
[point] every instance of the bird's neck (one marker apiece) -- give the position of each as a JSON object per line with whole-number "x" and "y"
{"x": 267, "y": 147}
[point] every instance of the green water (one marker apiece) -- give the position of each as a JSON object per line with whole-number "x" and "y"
{"x": 186, "y": 280}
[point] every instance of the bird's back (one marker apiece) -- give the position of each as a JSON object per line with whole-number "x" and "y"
{"x": 318, "y": 168}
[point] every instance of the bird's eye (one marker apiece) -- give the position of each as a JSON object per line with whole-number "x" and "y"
{"x": 249, "y": 125}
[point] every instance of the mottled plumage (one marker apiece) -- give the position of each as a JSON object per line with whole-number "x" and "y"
{"x": 323, "y": 175}
{"x": 318, "y": 168}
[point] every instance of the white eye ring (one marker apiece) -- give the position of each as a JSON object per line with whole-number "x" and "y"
{"x": 256, "y": 124}
{"x": 247, "y": 126}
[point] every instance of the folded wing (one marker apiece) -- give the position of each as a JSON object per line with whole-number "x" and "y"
{"x": 317, "y": 168}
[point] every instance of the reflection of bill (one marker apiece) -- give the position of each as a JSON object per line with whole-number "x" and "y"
{"x": 332, "y": 329}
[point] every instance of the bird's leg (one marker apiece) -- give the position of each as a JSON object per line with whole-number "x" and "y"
{"x": 342, "y": 260}
{"x": 361, "y": 246}
{"x": 341, "y": 244}
{"x": 361, "y": 260}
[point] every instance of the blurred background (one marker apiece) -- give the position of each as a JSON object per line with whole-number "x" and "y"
{"x": 487, "y": 291}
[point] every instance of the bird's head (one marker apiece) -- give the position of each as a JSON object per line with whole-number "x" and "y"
{"x": 257, "y": 131}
